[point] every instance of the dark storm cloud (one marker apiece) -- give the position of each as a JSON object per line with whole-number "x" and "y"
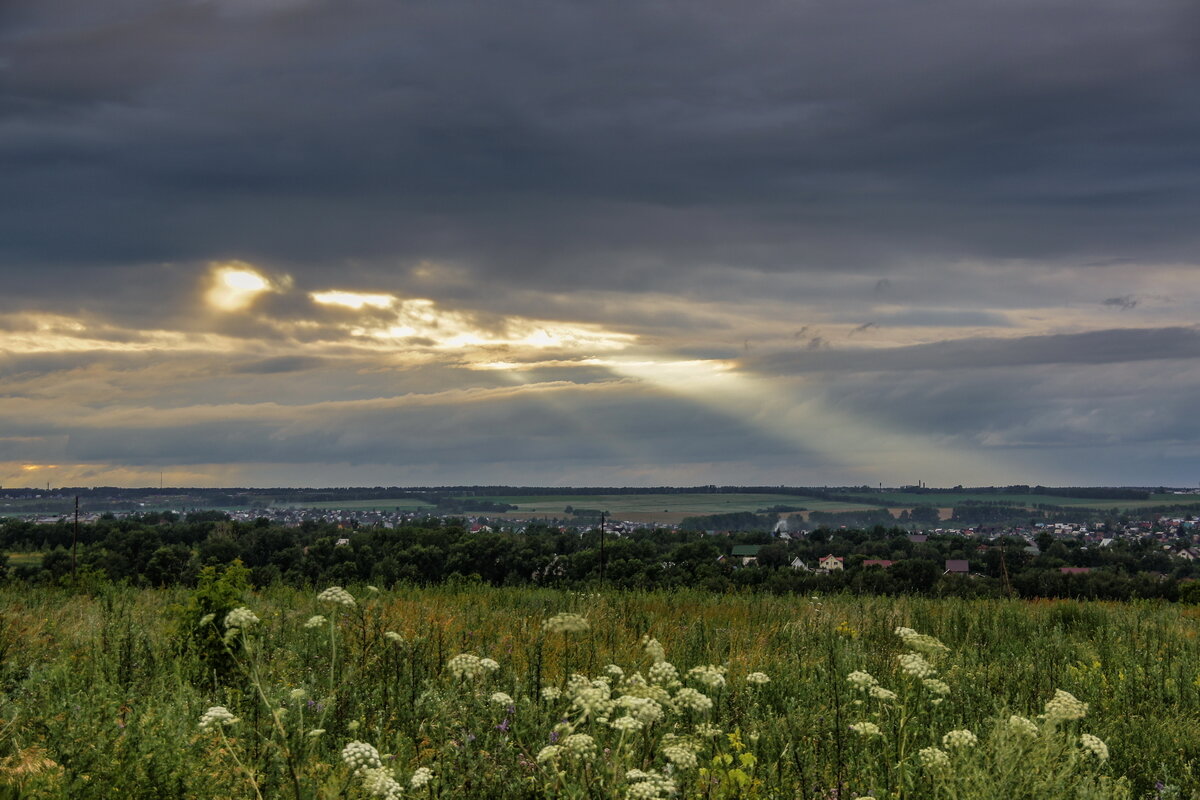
{"x": 639, "y": 139}
{"x": 1094, "y": 347}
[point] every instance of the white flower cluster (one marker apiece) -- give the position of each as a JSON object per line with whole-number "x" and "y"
{"x": 663, "y": 673}
{"x": 1022, "y": 726}
{"x": 360, "y": 757}
{"x": 706, "y": 730}
{"x": 643, "y": 709}
{"x": 337, "y": 596}
{"x": 710, "y": 675}
{"x": 565, "y": 623}
{"x": 1094, "y": 745}
{"x": 680, "y": 756}
{"x": 688, "y": 698}
{"x": 501, "y": 699}
{"x": 379, "y": 782}
{"x": 465, "y": 665}
{"x": 936, "y": 686}
{"x": 934, "y": 758}
{"x": 217, "y": 715}
{"x": 757, "y": 678}
{"x": 392, "y": 636}
{"x": 240, "y": 617}
{"x": 1065, "y": 706}
{"x": 315, "y": 621}
{"x": 915, "y": 665}
{"x": 654, "y": 649}
{"x": 921, "y": 642}
{"x": 861, "y": 680}
{"x": 866, "y": 729}
{"x": 551, "y": 693}
{"x": 959, "y": 739}
{"x": 420, "y": 778}
{"x": 880, "y": 693}
{"x": 626, "y": 724}
{"x": 548, "y": 753}
{"x": 648, "y": 785}
{"x": 579, "y": 745}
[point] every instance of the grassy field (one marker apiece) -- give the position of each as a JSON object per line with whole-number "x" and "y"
{"x": 99, "y": 701}
{"x": 662, "y": 508}
{"x": 947, "y": 499}
{"x": 385, "y": 504}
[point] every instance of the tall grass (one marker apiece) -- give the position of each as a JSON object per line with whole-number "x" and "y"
{"x": 96, "y": 700}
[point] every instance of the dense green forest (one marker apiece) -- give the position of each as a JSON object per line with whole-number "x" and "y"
{"x": 163, "y": 550}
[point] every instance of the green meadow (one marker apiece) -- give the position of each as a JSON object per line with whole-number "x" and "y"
{"x": 468, "y": 692}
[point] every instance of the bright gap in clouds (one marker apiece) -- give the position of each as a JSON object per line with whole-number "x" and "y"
{"x": 234, "y": 286}
{"x": 353, "y": 300}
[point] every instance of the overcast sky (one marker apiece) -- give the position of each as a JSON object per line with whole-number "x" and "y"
{"x": 629, "y": 242}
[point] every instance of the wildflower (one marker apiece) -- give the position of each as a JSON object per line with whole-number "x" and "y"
{"x": 915, "y": 665}
{"x": 1022, "y": 726}
{"x": 580, "y": 745}
{"x": 372, "y": 589}
{"x": 1094, "y": 745}
{"x": 663, "y": 672}
{"x": 240, "y": 617}
{"x": 866, "y": 729}
{"x": 392, "y": 636}
{"x": 711, "y": 676}
{"x": 465, "y": 665}
{"x": 654, "y": 649}
{"x": 337, "y": 596}
{"x": 592, "y": 699}
{"x": 206, "y": 620}
{"x": 644, "y": 709}
{"x": 934, "y": 758}
{"x": 757, "y": 678}
{"x": 422, "y": 776}
{"x": 501, "y": 699}
{"x": 707, "y": 730}
{"x": 959, "y": 739}
{"x": 217, "y": 715}
{"x": 360, "y": 757}
{"x": 615, "y": 671}
{"x": 680, "y": 756}
{"x": 315, "y": 732}
{"x": 648, "y": 785}
{"x": 297, "y": 694}
{"x": 551, "y": 693}
{"x": 880, "y": 693}
{"x": 489, "y": 664}
{"x": 1065, "y": 706}
{"x": 626, "y": 724}
{"x": 861, "y": 680}
{"x": 315, "y": 621}
{"x": 921, "y": 642}
{"x": 936, "y": 686}
{"x": 688, "y": 698}
{"x": 548, "y": 753}
{"x": 565, "y": 623}
{"x": 378, "y": 782}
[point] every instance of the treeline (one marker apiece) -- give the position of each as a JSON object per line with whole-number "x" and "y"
{"x": 159, "y": 550}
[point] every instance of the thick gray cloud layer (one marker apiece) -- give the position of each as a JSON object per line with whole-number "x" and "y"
{"x": 829, "y": 197}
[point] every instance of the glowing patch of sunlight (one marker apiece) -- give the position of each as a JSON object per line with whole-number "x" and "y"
{"x": 525, "y": 365}
{"x": 353, "y": 300}
{"x": 779, "y": 408}
{"x": 35, "y": 467}
{"x": 235, "y": 285}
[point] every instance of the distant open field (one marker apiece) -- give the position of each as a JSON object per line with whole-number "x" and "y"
{"x": 909, "y": 499}
{"x": 662, "y": 508}
{"x": 385, "y": 504}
